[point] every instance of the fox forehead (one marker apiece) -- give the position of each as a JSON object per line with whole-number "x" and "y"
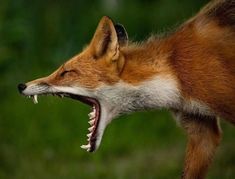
{"x": 83, "y": 70}
{"x": 80, "y": 61}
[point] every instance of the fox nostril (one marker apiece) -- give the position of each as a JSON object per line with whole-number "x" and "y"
{"x": 21, "y": 87}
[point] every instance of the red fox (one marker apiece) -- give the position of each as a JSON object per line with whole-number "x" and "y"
{"x": 190, "y": 71}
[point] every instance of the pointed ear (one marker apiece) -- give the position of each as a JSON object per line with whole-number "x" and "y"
{"x": 105, "y": 40}
{"x": 122, "y": 34}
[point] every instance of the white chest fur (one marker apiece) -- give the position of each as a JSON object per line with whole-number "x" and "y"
{"x": 155, "y": 93}
{"x": 159, "y": 92}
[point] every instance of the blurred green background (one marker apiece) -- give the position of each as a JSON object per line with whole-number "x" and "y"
{"x": 43, "y": 141}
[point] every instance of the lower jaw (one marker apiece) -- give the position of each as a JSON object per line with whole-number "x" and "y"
{"x": 92, "y": 140}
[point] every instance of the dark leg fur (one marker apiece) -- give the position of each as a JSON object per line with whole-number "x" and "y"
{"x": 203, "y": 138}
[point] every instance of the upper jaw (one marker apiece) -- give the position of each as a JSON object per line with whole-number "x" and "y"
{"x": 97, "y": 123}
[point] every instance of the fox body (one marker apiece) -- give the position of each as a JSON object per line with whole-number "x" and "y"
{"x": 191, "y": 71}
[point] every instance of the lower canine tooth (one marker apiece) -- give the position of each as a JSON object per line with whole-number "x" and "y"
{"x": 86, "y": 146}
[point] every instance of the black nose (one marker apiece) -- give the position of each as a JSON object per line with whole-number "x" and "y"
{"x": 21, "y": 87}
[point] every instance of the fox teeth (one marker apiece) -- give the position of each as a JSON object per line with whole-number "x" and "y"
{"x": 89, "y": 135}
{"x": 91, "y": 115}
{"x": 91, "y": 122}
{"x": 86, "y": 147}
{"x": 91, "y": 128}
{"x": 35, "y": 99}
{"x": 61, "y": 95}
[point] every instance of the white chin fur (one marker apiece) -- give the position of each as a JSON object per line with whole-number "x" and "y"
{"x": 105, "y": 118}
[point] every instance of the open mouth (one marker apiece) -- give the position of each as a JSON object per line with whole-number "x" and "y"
{"x": 94, "y": 116}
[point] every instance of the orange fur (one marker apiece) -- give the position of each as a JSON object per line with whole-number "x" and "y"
{"x": 203, "y": 59}
{"x": 200, "y": 55}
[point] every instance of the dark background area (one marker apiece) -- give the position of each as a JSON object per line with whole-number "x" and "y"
{"x": 43, "y": 140}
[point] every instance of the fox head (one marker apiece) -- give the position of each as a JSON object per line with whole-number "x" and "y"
{"x": 95, "y": 77}
{"x": 83, "y": 77}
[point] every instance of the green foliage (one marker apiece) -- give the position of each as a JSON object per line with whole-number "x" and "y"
{"x": 42, "y": 141}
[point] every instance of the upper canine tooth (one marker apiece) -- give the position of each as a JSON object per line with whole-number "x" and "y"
{"x": 35, "y": 99}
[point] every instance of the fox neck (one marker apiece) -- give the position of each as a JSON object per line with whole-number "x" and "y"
{"x": 146, "y": 82}
{"x": 147, "y": 60}
{"x": 125, "y": 98}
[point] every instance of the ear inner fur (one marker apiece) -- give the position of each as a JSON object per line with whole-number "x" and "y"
{"x": 105, "y": 39}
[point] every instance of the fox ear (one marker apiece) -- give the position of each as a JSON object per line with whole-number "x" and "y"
{"x": 121, "y": 34}
{"x": 105, "y": 39}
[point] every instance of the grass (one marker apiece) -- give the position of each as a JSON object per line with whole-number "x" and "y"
{"x": 43, "y": 140}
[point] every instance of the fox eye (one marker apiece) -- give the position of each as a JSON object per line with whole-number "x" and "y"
{"x": 65, "y": 72}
